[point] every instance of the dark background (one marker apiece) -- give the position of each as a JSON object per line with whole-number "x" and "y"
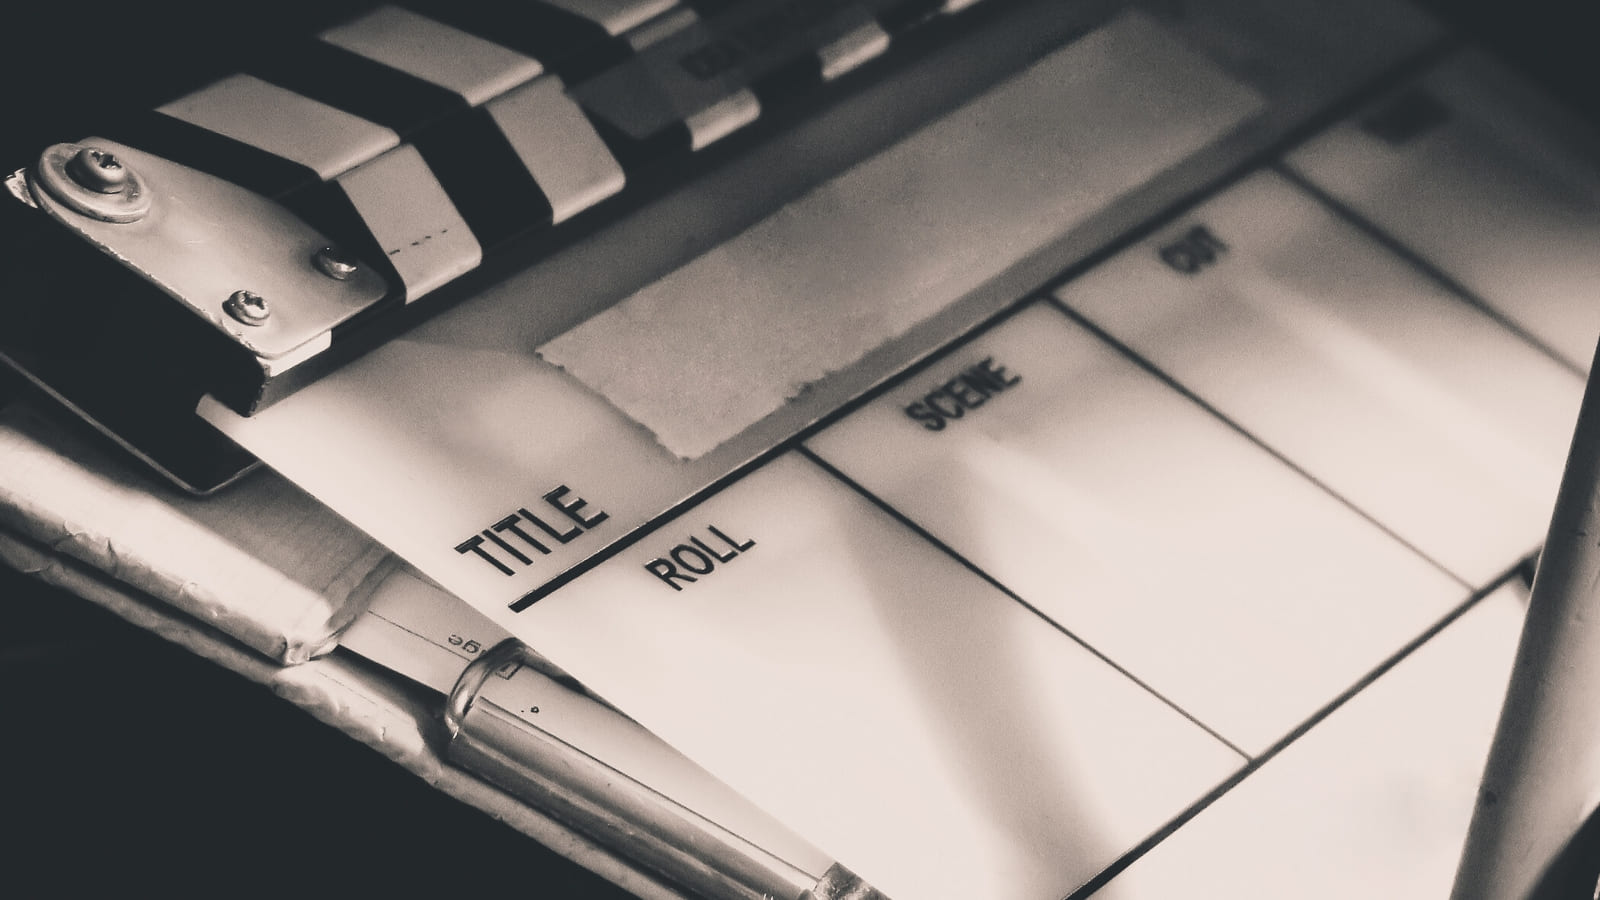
{"x": 125, "y": 763}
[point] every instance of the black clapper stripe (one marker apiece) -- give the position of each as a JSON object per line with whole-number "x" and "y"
{"x": 485, "y": 179}
{"x": 790, "y": 81}
{"x": 569, "y": 45}
{"x": 480, "y": 173}
{"x": 203, "y": 150}
{"x": 639, "y": 155}
{"x": 338, "y": 78}
{"x": 898, "y": 18}
{"x": 708, "y": 8}
{"x": 782, "y": 83}
{"x": 351, "y": 82}
{"x": 477, "y": 167}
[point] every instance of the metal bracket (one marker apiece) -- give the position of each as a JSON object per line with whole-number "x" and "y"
{"x": 203, "y": 240}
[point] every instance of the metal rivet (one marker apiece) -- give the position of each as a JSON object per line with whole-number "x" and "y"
{"x": 98, "y": 170}
{"x": 247, "y": 307}
{"x": 333, "y": 263}
{"x": 91, "y": 181}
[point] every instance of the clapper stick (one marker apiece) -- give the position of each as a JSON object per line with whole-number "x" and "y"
{"x": 1542, "y": 779}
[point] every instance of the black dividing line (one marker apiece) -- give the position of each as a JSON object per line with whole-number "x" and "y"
{"x": 1143, "y": 847}
{"x": 1421, "y": 263}
{"x": 485, "y": 179}
{"x": 569, "y": 45}
{"x": 706, "y": 9}
{"x": 638, "y": 155}
{"x": 949, "y": 551}
{"x": 351, "y": 82}
{"x": 898, "y": 18}
{"x": 206, "y": 151}
{"x": 787, "y": 82}
{"x": 1178, "y": 386}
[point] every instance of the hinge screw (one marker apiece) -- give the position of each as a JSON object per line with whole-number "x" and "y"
{"x": 333, "y": 263}
{"x": 98, "y": 170}
{"x": 90, "y": 181}
{"x": 247, "y": 307}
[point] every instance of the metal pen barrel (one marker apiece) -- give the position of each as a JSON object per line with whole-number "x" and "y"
{"x": 1542, "y": 779}
{"x": 630, "y": 819}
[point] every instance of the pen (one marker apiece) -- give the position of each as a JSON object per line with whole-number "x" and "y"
{"x": 1542, "y": 779}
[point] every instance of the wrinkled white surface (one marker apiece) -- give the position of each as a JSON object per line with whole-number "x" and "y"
{"x": 261, "y": 562}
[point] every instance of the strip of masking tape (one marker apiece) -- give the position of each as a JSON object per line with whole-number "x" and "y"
{"x": 729, "y": 338}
